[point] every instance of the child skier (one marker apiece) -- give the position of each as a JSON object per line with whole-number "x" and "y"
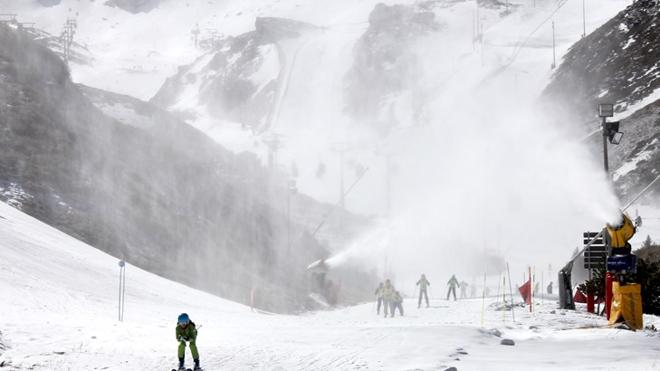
{"x": 186, "y": 332}
{"x": 397, "y": 302}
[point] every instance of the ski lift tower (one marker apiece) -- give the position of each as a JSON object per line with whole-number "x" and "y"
{"x": 67, "y": 37}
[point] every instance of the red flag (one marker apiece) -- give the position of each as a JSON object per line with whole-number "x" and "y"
{"x": 526, "y": 292}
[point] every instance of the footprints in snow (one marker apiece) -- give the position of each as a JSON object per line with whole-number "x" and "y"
{"x": 458, "y": 354}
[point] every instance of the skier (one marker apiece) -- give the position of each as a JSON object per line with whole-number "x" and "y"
{"x": 397, "y": 302}
{"x": 388, "y": 294}
{"x": 186, "y": 332}
{"x": 379, "y": 296}
{"x": 423, "y": 283}
{"x": 452, "y": 283}
{"x": 464, "y": 285}
{"x": 550, "y": 288}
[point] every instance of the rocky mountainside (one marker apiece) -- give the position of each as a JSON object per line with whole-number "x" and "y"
{"x": 385, "y": 67}
{"x": 237, "y": 79}
{"x": 618, "y": 63}
{"x": 135, "y": 182}
{"x": 637, "y": 159}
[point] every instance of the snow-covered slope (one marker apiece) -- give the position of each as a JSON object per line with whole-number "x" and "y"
{"x": 60, "y": 302}
{"x": 59, "y": 313}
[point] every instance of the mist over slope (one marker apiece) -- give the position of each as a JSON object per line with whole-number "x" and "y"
{"x": 442, "y": 118}
{"x": 426, "y": 109}
{"x": 152, "y": 190}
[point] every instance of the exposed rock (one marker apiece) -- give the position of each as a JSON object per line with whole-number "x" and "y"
{"x": 385, "y": 63}
{"x": 238, "y": 79}
{"x": 507, "y": 342}
{"x": 618, "y": 63}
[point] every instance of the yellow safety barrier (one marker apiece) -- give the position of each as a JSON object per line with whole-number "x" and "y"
{"x": 627, "y": 305}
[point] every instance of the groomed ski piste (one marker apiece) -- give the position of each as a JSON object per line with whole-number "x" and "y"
{"x": 59, "y": 312}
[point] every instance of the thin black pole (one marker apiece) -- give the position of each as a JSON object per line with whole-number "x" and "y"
{"x": 119, "y": 301}
{"x": 605, "y": 160}
{"x": 122, "y": 290}
{"x": 123, "y": 293}
{"x": 554, "y": 56}
{"x": 508, "y": 273}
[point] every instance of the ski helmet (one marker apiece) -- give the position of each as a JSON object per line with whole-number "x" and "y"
{"x": 183, "y": 319}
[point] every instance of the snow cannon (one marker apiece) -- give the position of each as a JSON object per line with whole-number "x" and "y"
{"x": 318, "y": 269}
{"x": 623, "y": 298}
{"x": 323, "y": 290}
{"x": 620, "y": 234}
{"x": 318, "y": 266}
{"x": 621, "y": 259}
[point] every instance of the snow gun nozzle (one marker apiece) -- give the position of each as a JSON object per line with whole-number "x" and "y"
{"x": 318, "y": 265}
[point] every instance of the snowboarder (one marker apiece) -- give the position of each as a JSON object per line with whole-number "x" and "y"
{"x": 379, "y": 297}
{"x": 397, "y": 302}
{"x": 388, "y": 294}
{"x": 452, "y": 283}
{"x": 464, "y": 285}
{"x": 423, "y": 283}
{"x": 186, "y": 332}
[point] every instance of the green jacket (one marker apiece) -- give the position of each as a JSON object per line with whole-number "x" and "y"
{"x": 423, "y": 283}
{"x": 188, "y": 334}
{"x": 388, "y": 292}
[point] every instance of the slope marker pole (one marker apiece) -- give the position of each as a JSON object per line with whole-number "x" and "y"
{"x": 508, "y": 272}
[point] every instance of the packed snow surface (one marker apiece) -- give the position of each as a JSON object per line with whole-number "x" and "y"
{"x": 59, "y": 312}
